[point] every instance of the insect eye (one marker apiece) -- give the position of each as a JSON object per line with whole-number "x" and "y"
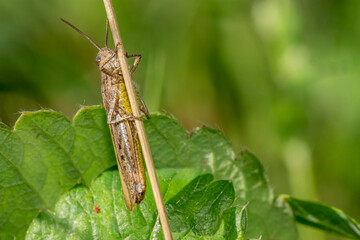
{"x": 97, "y": 60}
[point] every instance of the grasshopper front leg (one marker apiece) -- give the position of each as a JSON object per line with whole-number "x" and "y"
{"x": 136, "y": 62}
{"x": 136, "y": 55}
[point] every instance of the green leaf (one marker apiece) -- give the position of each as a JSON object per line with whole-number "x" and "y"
{"x": 241, "y": 222}
{"x": 209, "y": 150}
{"x": 324, "y": 217}
{"x": 93, "y": 149}
{"x": 47, "y": 155}
{"x": 198, "y": 208}
{"x": 44, "y": 156}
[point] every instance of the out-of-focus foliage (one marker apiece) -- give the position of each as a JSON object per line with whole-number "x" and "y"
{"x": 280, "y": 77}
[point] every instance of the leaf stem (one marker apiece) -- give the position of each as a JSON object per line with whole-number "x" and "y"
{"x": 139, "y": 124}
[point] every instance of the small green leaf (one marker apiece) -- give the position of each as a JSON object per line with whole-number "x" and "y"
{"x": 198, "y": 208}
{"x": 324, "y": 217}
{"x": 241, "y": 222}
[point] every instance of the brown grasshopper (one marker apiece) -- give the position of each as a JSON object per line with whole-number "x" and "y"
{"x": 121, "y": 121}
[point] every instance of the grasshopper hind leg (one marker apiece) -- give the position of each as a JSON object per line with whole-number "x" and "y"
{"x": 138, "y": 57}
{"x": 143, "y": 108}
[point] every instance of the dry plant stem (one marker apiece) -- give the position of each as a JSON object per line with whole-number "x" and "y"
{"x": 139, "y": 124}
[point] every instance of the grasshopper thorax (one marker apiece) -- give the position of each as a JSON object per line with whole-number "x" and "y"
{"x": 108, "y": 62}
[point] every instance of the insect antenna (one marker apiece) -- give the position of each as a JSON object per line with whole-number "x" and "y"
{"x": 107, "y": 31}
{"x": 93, "y": 43}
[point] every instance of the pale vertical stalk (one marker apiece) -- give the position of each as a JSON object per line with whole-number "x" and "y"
{"x": 139, "y": 124}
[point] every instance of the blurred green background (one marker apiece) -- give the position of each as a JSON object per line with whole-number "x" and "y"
{"x": 279, "y": 77}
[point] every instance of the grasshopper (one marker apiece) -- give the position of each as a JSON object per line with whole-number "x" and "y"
{"x": 121, "y": 121}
